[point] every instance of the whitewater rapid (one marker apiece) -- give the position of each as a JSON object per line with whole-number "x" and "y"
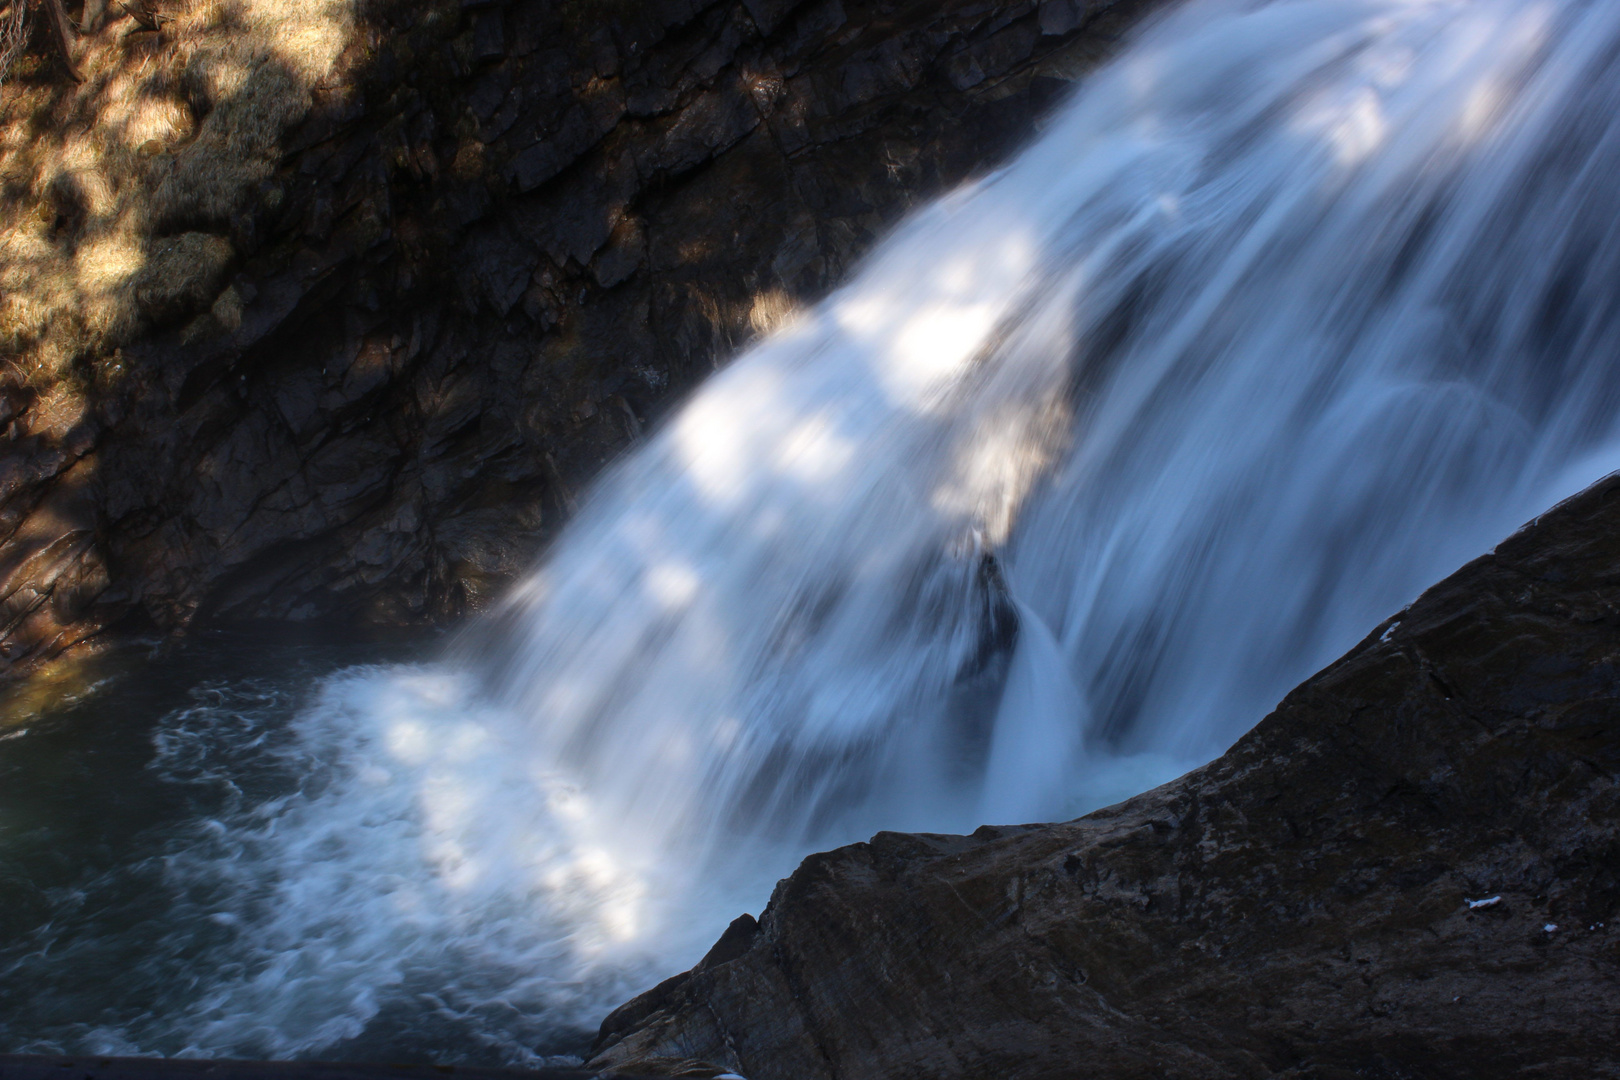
{"x": 1294, "y": 308}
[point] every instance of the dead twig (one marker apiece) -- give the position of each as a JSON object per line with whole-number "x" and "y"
{"x": 90, "y": 18}
{"x": 13, "y": 34}
{"x": 63, "y": 32}
{"x": 14, "y": 26}
{"x": 149, "y": 17}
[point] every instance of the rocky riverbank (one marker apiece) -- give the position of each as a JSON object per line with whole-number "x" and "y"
{"x": 326, "y": 310}
{"x": 1410, "y": 869}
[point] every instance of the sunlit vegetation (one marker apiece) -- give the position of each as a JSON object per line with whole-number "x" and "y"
{"x": 117, "y": 192}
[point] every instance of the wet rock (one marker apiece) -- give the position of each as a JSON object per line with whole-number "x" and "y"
{"x": 768, "y": 14}
{"x": 501, "y": 265}
{"x": 489, "y": 36}
{"x": 625, "y": 253}
{"x": 1365, "y": 885}
{"x": 714, "y": 122}
{"x": 1062, "y": 16}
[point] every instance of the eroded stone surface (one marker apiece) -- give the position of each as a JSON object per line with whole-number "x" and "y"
{"x": 1301, "y": 907}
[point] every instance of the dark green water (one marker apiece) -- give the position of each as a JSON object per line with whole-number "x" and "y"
{"x": 280, "y": 848}
{"x": 102, "y": 943}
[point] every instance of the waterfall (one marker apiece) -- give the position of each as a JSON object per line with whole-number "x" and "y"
{"x": 1296, "y": 307}
{"x": 1293, "y": 308}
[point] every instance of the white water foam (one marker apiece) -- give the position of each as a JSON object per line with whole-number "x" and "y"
{"x": 1298, "y": 305}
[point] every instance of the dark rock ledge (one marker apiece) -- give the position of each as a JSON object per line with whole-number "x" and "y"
{"x": 1410, "y": 869}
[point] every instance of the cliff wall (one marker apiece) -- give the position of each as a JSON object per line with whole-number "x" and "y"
{"x": 323, "y": 309}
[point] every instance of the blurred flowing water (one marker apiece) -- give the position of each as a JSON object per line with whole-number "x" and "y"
{"x": 1295, "y": 308}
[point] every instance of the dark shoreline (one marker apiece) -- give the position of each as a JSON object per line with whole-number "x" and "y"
{"x": 84, "y": 1067}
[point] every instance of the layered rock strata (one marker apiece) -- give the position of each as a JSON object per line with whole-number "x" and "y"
{"x": 358, "y": 366}
{"x": 1410, "y": 869}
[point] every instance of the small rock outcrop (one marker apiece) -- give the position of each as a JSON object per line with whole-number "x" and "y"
{"x": 1410, "y": 869}
{"x": 326, "y": 309}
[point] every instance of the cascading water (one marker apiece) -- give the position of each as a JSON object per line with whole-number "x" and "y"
{"x": 1296, "y": 307}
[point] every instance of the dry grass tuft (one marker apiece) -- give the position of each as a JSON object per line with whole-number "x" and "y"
{"x": 13, "y": 34}
{"x": 771, "y": 310}
{"x": 115, "y": 194}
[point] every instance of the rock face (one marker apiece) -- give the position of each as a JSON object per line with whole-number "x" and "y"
{"x": 500, "y": 238}
{"x": 1410, "y": 869}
